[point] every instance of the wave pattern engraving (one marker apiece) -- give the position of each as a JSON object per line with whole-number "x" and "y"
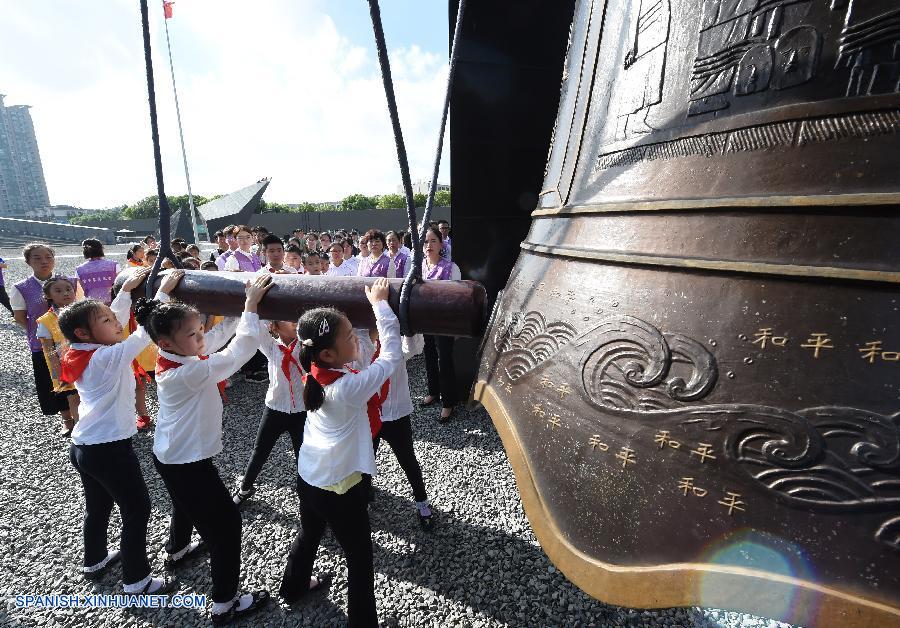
{"x": 825, "y": 459}
{"x": 527, "y": 341}
{"x": 631, "y": 365}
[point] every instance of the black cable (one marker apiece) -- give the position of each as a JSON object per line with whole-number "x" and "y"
{"x": 426, "y": 217}
{"x": 165, "y": 227}
{"x": 414, "y": 274}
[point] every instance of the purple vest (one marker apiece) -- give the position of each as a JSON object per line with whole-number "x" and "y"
{"x": 97, "y": 277}
{"x": 1, "y": 272}
{"x": 35, "y": 306}
{"x": 442, "y": 270}
{"x": 248, "y": 264}
{"x": 378, "y": 268}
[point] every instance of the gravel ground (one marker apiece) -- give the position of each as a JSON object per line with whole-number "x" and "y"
{"x": 481, "y": 567}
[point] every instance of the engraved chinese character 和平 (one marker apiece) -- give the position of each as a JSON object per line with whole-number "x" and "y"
{"x": 872, "y": 351}
{"x": 687, "y": 485}
{"x": 765, "y": 336}
{"x": 663, "y": 439}
{"x": 818, "y": 341}
{"x": 626, "y": 455}
{"x": 732, "y": 502}
{"x": 595, "y": 443}
{"x": 704, "y": 451}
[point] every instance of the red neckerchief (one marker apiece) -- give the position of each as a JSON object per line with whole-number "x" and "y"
{"x": 163, "y": 364}
{"x": 73, "y": 364}
{"x": 287, "y": 358}
{"x": 373, "y": 405}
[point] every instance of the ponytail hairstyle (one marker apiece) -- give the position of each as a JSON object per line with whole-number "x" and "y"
{"x": 134, "y": 248}
{"x": 316, "y": 330}
{"x": 162, "y": 319}
{"x": 91, "y": 248}
{"x": 78, "y": 316}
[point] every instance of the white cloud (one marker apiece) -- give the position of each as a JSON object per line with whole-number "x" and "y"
{"x": 273, "y": 91}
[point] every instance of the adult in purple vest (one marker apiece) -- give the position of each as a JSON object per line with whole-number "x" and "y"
{"x": 378, "y": 262}
{"x": 28, "y": 303}
{"x": 98, "y": 274}
{"x": 399, "y": 259}
{"x": 439, "y": 367}
{"x": 243, "y": 259}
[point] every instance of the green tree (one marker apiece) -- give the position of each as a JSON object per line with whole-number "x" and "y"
{"x": 419, "y": 199}
{"x": 442, "y": 198}
{"x": 145, "y": 208}
{"x": 391, "y": 201}
{"x": 358, "y": 201}
{"x": 149, "y": 206}
{"x": 114, "y": 213}
{"x": 271, "y": 207}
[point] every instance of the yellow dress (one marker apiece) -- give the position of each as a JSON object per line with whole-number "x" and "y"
{"x": 51, "y": 321}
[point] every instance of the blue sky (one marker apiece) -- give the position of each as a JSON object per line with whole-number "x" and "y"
{"x": 282, "y": 88}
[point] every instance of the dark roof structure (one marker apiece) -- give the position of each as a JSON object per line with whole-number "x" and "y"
{"x": 231, "y": 209}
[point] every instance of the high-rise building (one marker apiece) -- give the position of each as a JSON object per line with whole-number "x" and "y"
{"x": 22, "y": 184}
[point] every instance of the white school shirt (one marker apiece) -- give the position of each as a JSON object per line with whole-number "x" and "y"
{"x": 267, "y": 268}
{"x": 346, "y": 269}
{"x": 189, "y": 424}
{"x": 398, "y": 403}
{"x": 278, "y": 395}
{"x": 106, "y": 389}
{"x": 337, "y": 439}
{"x": 352, "y": 264}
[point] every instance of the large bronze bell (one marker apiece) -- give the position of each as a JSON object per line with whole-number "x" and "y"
{"x": 695, "y": 365}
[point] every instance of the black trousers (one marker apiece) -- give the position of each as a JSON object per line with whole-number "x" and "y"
{"x": 272, "y": 425}
{"x": 200, "y": 500}
{"x": 4, "y": 299}
{"x": 398, "y": 434}
{"x": 110, "y": 473}
{"x": 440, "y": 370}
{"x": 51, "y": 402}
{"x": 348, "y": 517}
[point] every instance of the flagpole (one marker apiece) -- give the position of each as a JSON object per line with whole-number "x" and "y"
{"x": 187, "y": 175}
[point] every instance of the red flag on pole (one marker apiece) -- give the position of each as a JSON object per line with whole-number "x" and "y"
{"x": 167, "y": 9}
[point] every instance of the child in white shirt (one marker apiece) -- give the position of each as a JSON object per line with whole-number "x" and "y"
{"x": 189, "y": 433}
{"x": 343, "y": 410}
{"x": 98, "y": 362}
{"x": 284, "y": 410}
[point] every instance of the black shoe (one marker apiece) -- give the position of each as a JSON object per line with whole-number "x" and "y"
{"x": 170, "y": 564}
{"x": 240, "y": 495}
{"x": 169, "y": 584}
{"x": 112, "y": 558}
{"x": 260, "y": 598}
{"x": 425, "y": 404}
{"x": 260, "y": 377}
{"x": 449, "y": 417}
{"x": 323, "y": 581}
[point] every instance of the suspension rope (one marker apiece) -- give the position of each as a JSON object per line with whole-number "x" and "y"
{"x": 414, "y": 275}
{"x": 165, "y": 228}
{"x": 426, "y": 216}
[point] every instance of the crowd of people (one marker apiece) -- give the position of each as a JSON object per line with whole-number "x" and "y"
{"x": 335, "y": 390}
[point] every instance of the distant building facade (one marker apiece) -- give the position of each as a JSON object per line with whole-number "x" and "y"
{"x": 422, "y": 186}
{"x": 22, "y": 183}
